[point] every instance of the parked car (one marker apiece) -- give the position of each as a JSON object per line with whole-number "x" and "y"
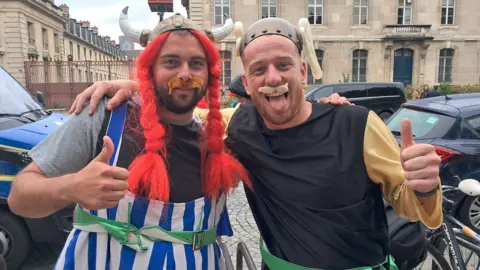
{"x": 3, "y": 264}
{"x": 24, "y": 122}
{"x": 452, "y": 125}
{"x": 383, "y": 98}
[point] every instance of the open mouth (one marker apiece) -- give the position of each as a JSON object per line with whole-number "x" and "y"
{"x": 276, "y": 96}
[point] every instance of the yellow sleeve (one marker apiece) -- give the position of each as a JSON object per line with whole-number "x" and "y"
{"x": 382, "y": 160}
{"x": 226, "y": 115}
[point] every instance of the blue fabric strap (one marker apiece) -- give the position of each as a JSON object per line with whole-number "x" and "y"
{"x": 115, "y": 130}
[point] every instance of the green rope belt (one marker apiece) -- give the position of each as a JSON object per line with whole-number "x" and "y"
{"x": 275, "y": 263}
{"x": 121, "y": 231}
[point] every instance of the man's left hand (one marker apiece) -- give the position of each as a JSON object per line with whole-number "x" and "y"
{"x": 420, "y": 161}
{"x": 335, "y": 99}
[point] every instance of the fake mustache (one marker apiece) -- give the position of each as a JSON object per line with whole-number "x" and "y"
{"x": 274, "y": 91}
{"x": 193, "y": 83}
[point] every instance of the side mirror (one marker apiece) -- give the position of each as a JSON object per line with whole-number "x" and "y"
{"x": 41, "y": 98}
{"x": 470, "y": 187}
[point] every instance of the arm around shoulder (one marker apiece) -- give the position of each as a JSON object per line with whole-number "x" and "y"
{"x": 226, "y": 115}
{"x": 382, "y": 160}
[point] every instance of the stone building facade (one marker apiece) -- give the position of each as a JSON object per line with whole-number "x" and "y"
{"x": 411, "y": 41}
{"x": 92, "y": 52}
{"x": 39, "y": 30}
{"x": 28, "y": 28}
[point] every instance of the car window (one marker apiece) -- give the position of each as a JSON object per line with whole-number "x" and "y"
{"x": 383, "y": 90}
{"x": 351, "y": 90}
{"x": 14, "y": 99}
{"x": 323, "y": 92}
{"x": 474, "y": 122}
{"x": 425, "y": 125}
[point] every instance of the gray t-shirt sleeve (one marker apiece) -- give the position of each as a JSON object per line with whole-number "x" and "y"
{"x": 72, "y": 146}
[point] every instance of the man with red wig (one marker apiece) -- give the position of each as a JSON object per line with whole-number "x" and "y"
{"x": 165, "y": 211}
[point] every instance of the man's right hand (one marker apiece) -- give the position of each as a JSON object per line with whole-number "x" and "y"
{"x": 118, "y": 90}
{"x": 99, "y": 185}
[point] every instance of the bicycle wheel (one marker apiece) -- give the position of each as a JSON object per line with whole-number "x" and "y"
{"x": 438, "y": 261}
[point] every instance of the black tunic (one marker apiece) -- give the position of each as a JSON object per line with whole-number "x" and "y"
{"x": 184, "y": 163}
{"x": 313, "y": 200}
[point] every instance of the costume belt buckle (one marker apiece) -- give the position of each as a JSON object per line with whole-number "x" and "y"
{"x": 198, "y": 240}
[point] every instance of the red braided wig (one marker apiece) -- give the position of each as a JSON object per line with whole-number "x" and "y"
{"x": 202, "y": 104}
{"x": 148, "y": 172}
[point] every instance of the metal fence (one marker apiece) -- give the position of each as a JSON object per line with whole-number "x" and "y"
{"x": 61, "y": 81}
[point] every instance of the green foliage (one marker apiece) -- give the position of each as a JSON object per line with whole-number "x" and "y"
{"x": 447, "y": 89}
{"x": 346, "y": 78}
{"x": 459, "y": 89}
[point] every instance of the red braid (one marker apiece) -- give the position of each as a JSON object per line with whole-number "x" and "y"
{"x": 202, "y": 104}
{"x": 221, "y": 171}
{"x": 148, "y": 172}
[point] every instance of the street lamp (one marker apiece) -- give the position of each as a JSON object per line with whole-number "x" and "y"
{"x": 160, "y": 7}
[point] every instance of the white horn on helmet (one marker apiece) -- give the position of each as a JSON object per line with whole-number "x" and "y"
{"x": 130, "y": 32}
{"x": 308, "y": 49}
{"x": 222, "y": 32}
{"x": 238, "y": 29}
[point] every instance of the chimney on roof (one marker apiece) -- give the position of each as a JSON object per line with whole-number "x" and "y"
{"x": 85, "y": 24}
{"x": 65, "y": 9}
{"x": 95, "y": 30}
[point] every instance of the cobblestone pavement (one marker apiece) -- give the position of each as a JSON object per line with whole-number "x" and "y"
{"x": 244, "y": 227}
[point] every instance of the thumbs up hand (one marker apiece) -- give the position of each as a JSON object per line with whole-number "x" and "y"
{"x": 420, "y": 161}
{"x": 99, "y": 185}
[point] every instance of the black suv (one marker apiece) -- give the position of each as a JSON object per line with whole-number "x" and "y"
{"x": 383, "y": 98}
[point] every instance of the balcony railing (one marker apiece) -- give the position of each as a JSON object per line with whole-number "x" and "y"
{"x": 400, "y": 30}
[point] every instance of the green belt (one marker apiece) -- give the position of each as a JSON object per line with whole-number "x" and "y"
{"x": 121, "y": 231}
{"x": 275, "y": 263}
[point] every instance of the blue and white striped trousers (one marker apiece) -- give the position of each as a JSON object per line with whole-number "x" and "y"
{"x": 95, "y": 251}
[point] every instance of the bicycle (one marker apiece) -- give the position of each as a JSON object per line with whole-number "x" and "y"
{"x": 242, "y": 254}
{"x": 446, "y": 236}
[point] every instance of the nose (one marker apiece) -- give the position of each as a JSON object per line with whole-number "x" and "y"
{"x": 273, "y": 77}
{"x": 184, "y": 72}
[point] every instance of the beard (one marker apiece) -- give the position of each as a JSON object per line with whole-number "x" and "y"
{"x": 178, "y": 102}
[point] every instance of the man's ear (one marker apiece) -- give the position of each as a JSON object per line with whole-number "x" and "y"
{"x": 303, "y": 71}
{"x": 245, "y": 84}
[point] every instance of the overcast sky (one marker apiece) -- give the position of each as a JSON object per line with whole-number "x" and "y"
{"x": 105, "y": 13}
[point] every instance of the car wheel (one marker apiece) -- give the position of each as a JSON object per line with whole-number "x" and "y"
{"x": 384, "y": 116}
{"x": 15, "y": 244}
{"x": 469, "y": 213}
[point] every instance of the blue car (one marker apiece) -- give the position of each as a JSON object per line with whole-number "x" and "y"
{"x": 451, "y": 123}
{"x": 24, "y": 123}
